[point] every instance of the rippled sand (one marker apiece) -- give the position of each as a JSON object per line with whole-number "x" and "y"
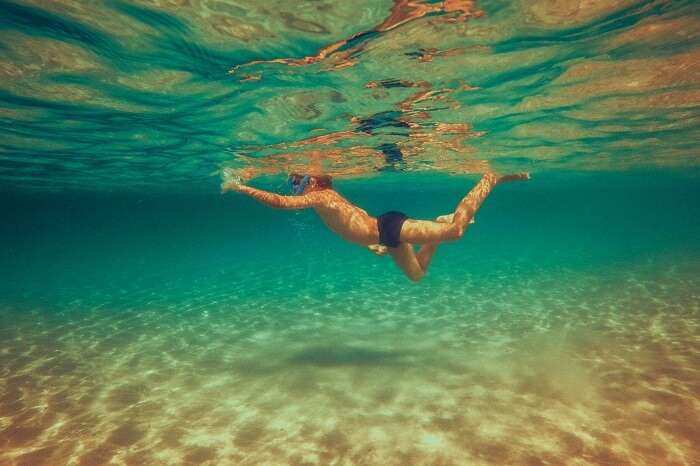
{"x": 559, "y": 367}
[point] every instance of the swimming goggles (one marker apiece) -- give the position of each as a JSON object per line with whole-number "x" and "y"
{"x": 298, "y": 188}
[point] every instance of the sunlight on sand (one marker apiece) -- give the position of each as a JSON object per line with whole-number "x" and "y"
{"x": 598, "y": 368}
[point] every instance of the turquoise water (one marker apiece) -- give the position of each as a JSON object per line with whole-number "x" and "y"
{"x": 147, "y": 319}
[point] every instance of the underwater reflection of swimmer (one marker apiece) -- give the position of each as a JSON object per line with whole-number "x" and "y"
{"x": 391, "y": 233}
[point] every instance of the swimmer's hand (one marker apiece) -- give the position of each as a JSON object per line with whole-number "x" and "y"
{"x": 524, "y": 176}
{"x": 231, "y": 180}
{"x": 378, "y": 249}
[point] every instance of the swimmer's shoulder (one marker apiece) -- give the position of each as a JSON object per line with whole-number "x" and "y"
{"x": 328, "y": 198}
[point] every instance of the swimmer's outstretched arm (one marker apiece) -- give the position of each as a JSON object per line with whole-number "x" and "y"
{"x": 277, "y": 201}
{"x": 274, "y": 200}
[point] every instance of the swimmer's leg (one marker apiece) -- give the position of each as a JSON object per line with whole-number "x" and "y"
{"x": 449, "y": 218}
{"x": 466, "y": 209}
{"x": 408, "y": 262}
{"x": 427, "y": 251}
{"x": 425, "y": 231}
{"x": 428, "y": 232}
{"x": 425, "y": 255}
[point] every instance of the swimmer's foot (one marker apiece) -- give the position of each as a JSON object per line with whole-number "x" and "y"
{"x": 449, "y": 218}
{"x": 378, "y": 249}
{"x": 514, "y": 177}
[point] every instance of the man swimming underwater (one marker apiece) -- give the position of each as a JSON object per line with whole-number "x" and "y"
{"x": 392, "y": 232}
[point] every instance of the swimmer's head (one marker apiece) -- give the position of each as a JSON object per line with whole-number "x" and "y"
{"x": 304, "y": 183}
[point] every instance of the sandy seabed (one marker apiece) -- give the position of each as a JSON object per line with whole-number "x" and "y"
{"x": 557, "y": 367}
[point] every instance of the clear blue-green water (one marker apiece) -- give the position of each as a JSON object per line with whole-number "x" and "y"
{"x": 147, "y": 319}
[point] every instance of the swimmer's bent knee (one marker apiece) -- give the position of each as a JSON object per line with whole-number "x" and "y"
{"x": 455, "y": 232}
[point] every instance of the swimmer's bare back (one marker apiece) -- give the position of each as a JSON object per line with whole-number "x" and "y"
{"x": 357, "y": 226}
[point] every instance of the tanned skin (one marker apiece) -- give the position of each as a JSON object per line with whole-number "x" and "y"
{"x": 357, "y": 226}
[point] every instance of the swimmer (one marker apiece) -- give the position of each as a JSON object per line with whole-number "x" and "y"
{"x": 391, "y": 233}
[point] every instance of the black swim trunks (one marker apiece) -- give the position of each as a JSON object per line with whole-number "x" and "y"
{"x": 389, "y": 225}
